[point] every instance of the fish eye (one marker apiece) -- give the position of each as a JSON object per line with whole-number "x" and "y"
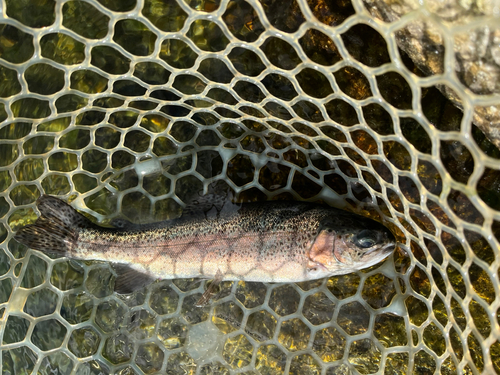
{"x": 365, "y": 239}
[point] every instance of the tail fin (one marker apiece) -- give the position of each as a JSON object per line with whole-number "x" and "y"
{"x": 56, "y": 230}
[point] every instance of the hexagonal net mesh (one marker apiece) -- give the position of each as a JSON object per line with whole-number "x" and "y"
{"x": 130, "y": 108}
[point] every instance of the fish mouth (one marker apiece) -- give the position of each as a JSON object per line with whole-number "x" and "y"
{"x": 386, "y": 249}
{"x": 389, "y": 248}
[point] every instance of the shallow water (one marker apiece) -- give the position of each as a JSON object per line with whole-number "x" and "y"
{"x": 134, "y": 116}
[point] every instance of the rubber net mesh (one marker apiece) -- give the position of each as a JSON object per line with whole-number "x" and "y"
{"x": 132, "y": 108}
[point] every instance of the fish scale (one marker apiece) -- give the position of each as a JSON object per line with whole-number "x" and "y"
{"x": 266, "y": 242}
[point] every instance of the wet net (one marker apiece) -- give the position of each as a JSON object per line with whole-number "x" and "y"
{"x": 132, "y": 108}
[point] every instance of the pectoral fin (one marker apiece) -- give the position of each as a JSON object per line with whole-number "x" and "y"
{"x": 128, "y": 280}
{"x": 210, "y": 290}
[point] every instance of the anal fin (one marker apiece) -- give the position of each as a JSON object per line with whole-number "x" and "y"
{"x": 128, "y": 280}
{"x": 205, "y": 298}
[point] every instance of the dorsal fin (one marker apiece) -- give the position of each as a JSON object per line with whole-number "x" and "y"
{"x": 123, "y": 224}
{"x": 209, "y": 204}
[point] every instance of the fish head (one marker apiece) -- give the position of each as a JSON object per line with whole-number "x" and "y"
{"x": 341, "y": 249}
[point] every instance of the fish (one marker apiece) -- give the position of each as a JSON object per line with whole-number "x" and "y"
{"x": 280, "y": 241}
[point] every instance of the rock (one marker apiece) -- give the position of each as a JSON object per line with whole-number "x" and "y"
{"x": 472, "y": 30}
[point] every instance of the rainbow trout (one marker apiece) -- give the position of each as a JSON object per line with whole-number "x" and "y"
{"x": 266, "y": 242}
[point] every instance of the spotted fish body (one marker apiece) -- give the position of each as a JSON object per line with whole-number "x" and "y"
{"x": 266, "y": 242}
